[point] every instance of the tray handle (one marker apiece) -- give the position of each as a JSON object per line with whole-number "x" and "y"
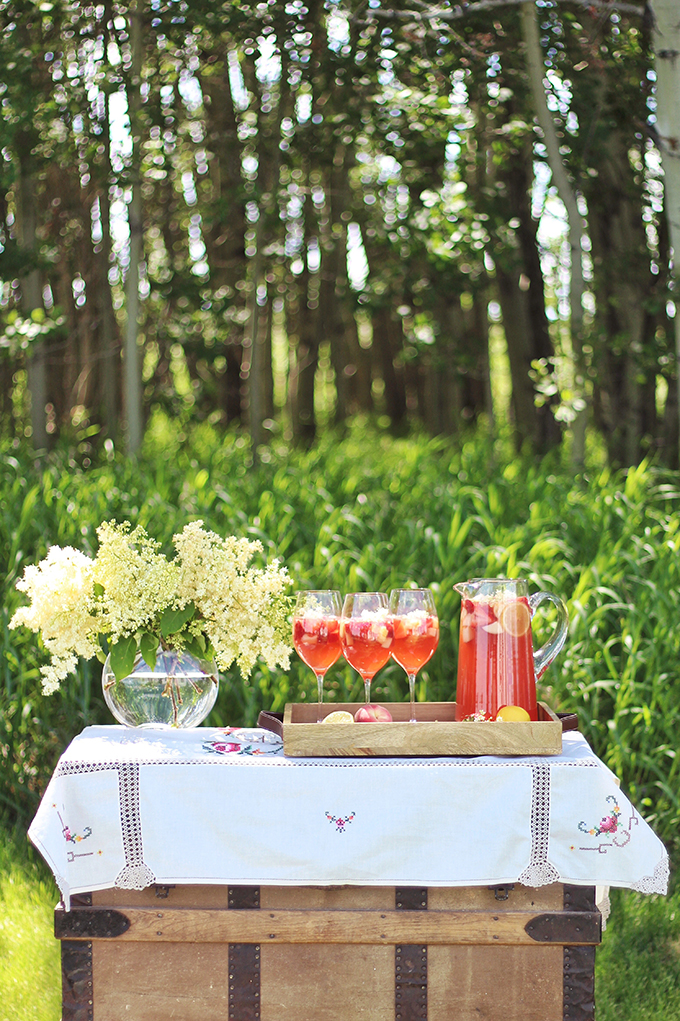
{"x": 271, "y": 721}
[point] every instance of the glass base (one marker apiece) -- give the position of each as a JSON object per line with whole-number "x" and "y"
{"x": 179, "y": 691}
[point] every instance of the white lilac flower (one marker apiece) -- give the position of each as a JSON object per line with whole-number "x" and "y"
{"x": 240, "y": 605}
{"x": 60, "y": 590}
{"x": 138, "y": 582}
{"x": 239, "y": 609}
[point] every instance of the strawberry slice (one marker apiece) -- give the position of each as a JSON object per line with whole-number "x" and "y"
{"x": 400, "y": 628}
{"x": 483, "y": 614}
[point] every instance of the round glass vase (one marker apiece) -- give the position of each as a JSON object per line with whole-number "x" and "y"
{"x": 179, "y": 691}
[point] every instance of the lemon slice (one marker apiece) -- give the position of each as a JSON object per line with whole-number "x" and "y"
{"x": 512, "y": 714}
{"x": 339, "y": 716}
{"x": 515, "y": 619}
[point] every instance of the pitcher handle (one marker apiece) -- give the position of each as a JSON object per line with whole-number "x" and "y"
{"x": 544, "y": 656}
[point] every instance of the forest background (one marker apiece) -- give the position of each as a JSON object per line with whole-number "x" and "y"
{"x": 388, "y": 287}
{"x": 281, "y": 215}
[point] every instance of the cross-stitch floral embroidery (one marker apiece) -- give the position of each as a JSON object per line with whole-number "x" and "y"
{"x": 340, "y": 822}
{"x": 608, "y": 824}
{"x": 242, "y": 741}
{"x": 611, "y": 831}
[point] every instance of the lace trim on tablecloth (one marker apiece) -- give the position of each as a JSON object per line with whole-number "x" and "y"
{"x": 656, "y": 883}
{"x": 281, "y": 762}
{"x": 64, "y": 890}
{"x": 135, "y": 874}
{"x": 539, "y": 871}
{"x": 66, "y": 768}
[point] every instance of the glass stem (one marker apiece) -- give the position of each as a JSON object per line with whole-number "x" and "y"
{"x": 367, "y": 689}
{"x": 319, "y": 688}
{"x": 412, "y": 694}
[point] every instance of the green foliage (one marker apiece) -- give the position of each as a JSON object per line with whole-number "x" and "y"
{"x": 174, "y": 620}
{"x": 637, "y": 969}
{"x": 148, "y": 646}
{"x": 370, "y": 512}
{"x": 30, "y": 973}
{"x": 123, "y": 654}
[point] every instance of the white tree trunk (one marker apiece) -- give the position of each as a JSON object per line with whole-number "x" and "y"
{"x": 256, "y": 396}
{"x": 536, "y": 70}
{"x": 133, "y": 374}
{"x": 666, "y": 44}
{"x": 31, "y": 299}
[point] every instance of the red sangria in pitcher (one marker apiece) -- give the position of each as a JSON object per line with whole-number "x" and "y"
{"x": 497, "y": 665}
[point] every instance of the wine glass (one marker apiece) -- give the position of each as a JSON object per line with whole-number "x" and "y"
{"x": 416, "y": 632}
{"x": 366, "y": 634}
{"x": 316, "y": 632}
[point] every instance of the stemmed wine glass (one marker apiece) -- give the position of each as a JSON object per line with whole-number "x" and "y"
{"x": 316, "y": 632}
{"x": 366, "y": 634}
{"x": 416, "y": 632}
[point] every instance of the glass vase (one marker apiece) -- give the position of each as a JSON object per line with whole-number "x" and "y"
{"x": 179, "y": 691}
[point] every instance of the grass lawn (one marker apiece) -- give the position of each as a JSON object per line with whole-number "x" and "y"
{"x": 637, "y": 974}
{"x": 30, "y": 970}
{"x": 637, "y": 971}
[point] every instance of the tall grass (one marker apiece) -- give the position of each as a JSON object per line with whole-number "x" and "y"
{"x": 367, "y": 511}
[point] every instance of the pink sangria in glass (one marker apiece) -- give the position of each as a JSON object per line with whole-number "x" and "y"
{"x": 316, "y": 632}
{"x": 366, "y": 634}
{"x": 497, "y": 665}
{"x": 416, "y": 633}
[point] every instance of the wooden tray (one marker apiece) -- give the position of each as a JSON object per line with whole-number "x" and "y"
{"x": 435, "y": 733}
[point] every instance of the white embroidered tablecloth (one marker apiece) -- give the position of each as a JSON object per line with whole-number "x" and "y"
{"x": 130, "y": 808}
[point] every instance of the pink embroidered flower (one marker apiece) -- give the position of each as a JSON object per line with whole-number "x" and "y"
{"x": 609, "y": 824}
{"x": 340, "y": 823}
{"x": 225, "y": 748}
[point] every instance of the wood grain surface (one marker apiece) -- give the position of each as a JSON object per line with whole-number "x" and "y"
{"x": 435, "y": 733}
{"x": 184, "y": 973}
{"x": 209, "y": 925}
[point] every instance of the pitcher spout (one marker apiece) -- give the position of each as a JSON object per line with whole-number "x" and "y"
{"x": 468, "y": 589}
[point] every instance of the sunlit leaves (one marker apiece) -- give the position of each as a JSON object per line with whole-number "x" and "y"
{"x": 122, "y": 657}
{"x": 173, "y": 620}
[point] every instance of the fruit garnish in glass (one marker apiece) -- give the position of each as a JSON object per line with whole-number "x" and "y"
{"x": 316, "y": 632}
{"x": 366, "y": 634}
{"x": 416, "y": 633}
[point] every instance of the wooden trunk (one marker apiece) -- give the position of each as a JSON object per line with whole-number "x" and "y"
{"x": 346, "y": 953}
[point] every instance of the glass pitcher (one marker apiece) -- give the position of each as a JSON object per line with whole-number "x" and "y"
{"x": 497, "y": 664}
